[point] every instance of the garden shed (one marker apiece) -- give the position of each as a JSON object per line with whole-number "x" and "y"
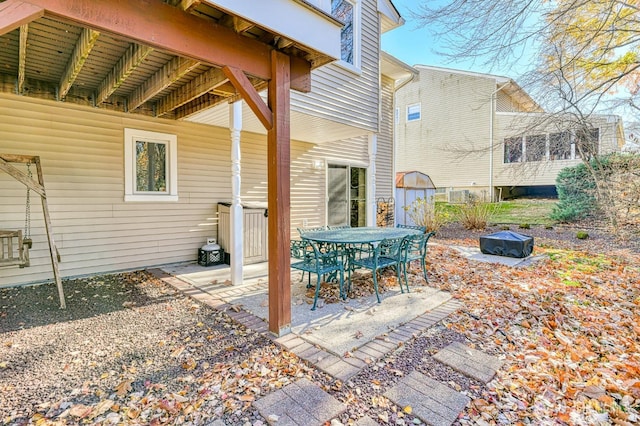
{"x": 409, "y": 187}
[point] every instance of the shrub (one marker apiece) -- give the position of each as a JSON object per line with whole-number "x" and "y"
{"x": 505, "y": 227}
{"x": 576, "y": 194}
{"x": 423, "y": 212}
{"x": 475, "y": 214}
{"x": 582, "y": 235}
{"x": 525, "y": 226}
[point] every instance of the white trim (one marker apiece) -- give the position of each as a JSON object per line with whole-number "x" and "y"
{"x": 171, "y": 140}
{"x": 356, "y": 67}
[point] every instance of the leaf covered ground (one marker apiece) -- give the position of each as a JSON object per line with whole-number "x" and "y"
{"x": 130, "y": 350}
{"x": 568, "y": 328}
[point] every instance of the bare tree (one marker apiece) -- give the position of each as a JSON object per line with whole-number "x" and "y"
{"x": 586, "y": 60}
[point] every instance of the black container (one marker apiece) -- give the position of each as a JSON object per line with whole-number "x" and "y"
{"x": 210, "y": 257}
{"x": 507, "y": 243}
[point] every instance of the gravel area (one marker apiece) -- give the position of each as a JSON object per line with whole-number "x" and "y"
{"x": 130, "y": 349}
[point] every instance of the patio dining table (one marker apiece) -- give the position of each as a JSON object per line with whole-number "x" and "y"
{"x": 360, "y": 235}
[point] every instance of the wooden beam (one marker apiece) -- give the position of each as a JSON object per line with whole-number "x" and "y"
{"x": 21, "y": 177}
{"x": 278, "y": 172}
{"x": 163, "y": 78}
{"x": 193, "y": 89}
{"x": 131, "y": 60}
{"x": 81, "y": 51}
{"x": 164, "y": 27}
{"x": 187, "y": 5}
{"x": 208, "y": 100}
{"x": 16, "y": 13}
{"x": 240, "y": 25}
{"x": 250, "y": 95}
{"x": 226, "y": 89}
{"x": 22, "y": 57}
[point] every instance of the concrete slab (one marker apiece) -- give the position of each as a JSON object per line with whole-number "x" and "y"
{"x": 468, "y": 361}
{"x": 301, "y": 403}
{"x": 474, "y": 253}
{"x": 431, "y": 401}
{"x": 345, "y": 326}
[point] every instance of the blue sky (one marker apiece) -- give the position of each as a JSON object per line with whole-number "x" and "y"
{"x": 414, "y": 45}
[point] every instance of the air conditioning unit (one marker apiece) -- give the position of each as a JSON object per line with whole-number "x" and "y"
{"x": 459, "y": 197}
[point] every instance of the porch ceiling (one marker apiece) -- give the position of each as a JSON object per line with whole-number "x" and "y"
{"x": 47, "y": 55}
{"x": 303, "y": 127}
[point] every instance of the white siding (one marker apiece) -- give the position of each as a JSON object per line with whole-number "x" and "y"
{"x": 384, "y": 158}
{"x": 342, "y": 95}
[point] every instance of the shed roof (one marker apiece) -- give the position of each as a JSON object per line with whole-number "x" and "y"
{"x": 414, "y": 179}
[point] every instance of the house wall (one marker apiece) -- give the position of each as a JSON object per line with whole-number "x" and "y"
{"x": 384, "y": 158}
{"x": 450, "y": 141}
{"x": 341, "y": 94}
{"x": 82, "y": 155}
{"x": 536, "y": 173}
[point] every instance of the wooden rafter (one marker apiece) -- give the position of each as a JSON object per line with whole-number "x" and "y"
{"x": 22, "y": 60}
{"x": 195, "y": 88}
{"x": 208, "y": 100}
{"x": 131, "y": 60}
{"x": 187, "y": 5}
{"x": 81, "y": 51}
{"x": 14, "y": 14}
{"x": 250, "y": 95}
{"x": 163, "y": 78}
{"x": 188, "y": 35}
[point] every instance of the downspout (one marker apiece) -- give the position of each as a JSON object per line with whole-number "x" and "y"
{"x": 491, "y": 124}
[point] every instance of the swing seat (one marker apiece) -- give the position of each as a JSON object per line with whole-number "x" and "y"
{"x": 14, "y": 250}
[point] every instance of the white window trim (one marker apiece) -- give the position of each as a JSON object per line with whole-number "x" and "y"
{"x": 130, "y": 136}
{"x": 356, "y": 67}
{"x": 419, "y": 105}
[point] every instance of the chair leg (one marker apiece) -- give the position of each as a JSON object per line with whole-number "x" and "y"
{"x": 315, "y": 298}
{"x": 424, "y": 269}
{"x": 375, "y": 284}
{"x": 343, "y": 294}
{"x": 400, "y": 269}
{"x": 406, "y": 279}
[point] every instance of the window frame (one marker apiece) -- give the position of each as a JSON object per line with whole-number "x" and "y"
{"x": 131, "y": 194}
{"x": 356, "y": 66}
{"x": 417, "y": 104}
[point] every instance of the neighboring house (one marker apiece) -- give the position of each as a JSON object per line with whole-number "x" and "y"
{"x": 473, "y": 133}
{"x": 134, "y": 110}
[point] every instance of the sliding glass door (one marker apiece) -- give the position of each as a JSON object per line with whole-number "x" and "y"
{"x": 347, "y": 202}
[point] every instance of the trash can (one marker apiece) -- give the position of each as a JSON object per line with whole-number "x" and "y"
{"x": 507, "y": 243}
{"x": 210, "y": 254}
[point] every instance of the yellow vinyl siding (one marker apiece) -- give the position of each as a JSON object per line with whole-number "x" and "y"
{"x": 455, "y": 116}
{"x": 82, "y": 156}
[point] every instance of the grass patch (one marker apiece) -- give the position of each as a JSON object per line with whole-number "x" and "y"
{"x": 516, "y": 212}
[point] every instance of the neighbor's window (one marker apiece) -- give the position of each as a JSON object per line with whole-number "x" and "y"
{"x": 513, "y": 150}
{"x": 347, "y": 12}
{"x": 560, "y": 146}
{"x": 151, "y": 172}
{"x": 413, "y": 112}
{"x": 536, "y": 147}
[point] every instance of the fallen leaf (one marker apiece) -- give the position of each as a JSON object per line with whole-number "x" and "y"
{"x": 123, "y": 388}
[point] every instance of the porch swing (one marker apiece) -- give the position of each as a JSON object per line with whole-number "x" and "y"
{"x": 14, "y": 245}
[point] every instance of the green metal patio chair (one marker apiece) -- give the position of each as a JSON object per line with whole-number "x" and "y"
{"x": 382, "y": 255}
{"x": 318, "y": 262}
{"x": 414, "y": 247}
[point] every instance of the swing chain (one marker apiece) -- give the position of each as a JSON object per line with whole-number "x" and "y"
{"x": 27, "y": 218}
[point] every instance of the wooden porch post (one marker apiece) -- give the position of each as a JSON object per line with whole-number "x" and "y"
{"x": 279, "y": 159}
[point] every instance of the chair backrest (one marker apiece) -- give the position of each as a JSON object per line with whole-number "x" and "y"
{"x": 340, "y": 227}
{"x": 389, "y": 247}
{"x": 419, "y": 228}
{"x": 298, "y": 249}
{"x": 301, "y": 231}
{"x": 415, "y": 244}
